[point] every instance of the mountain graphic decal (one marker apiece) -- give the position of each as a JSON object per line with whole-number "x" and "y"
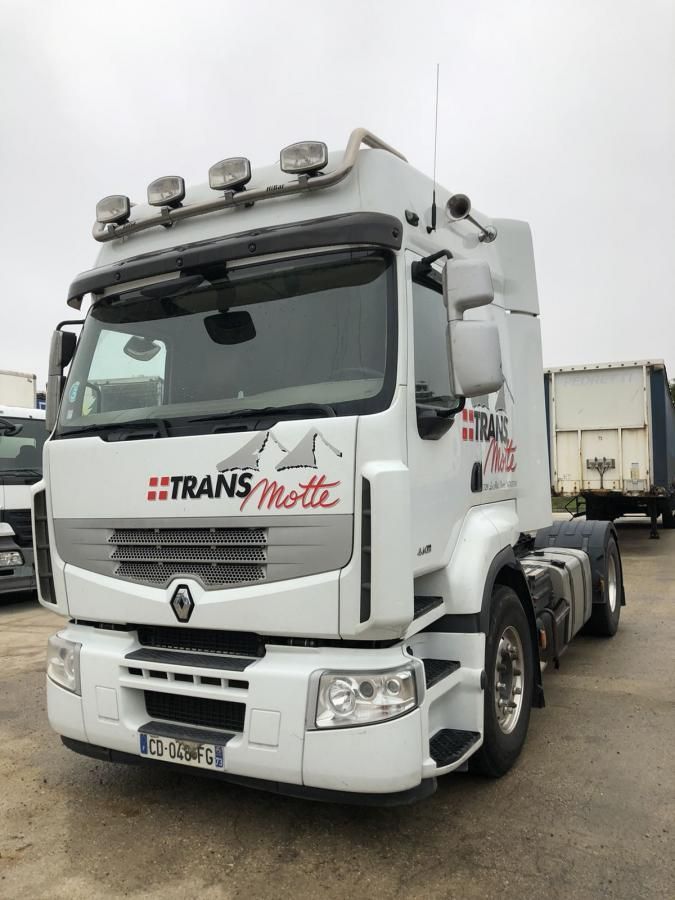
{"x": 302, "y": 456}
{"x": 247, "y": 458}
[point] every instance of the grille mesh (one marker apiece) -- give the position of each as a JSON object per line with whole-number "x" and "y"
{"x": 160, "y": 573}
{"x": 222, "y": 714}
{"x": 216, "y": 556}
{"x": 191, "y": 554}
{"x": 177, "y": 536}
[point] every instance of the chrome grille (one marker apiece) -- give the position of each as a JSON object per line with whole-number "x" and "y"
{"x": 161, "y": 573}
{"x": 177, "y": 536}
{"x": 215, "y": 556}
{"x": 191, "y": 554}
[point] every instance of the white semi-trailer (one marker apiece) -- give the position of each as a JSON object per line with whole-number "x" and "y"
{"x": 612, "y": 438}
{"x": 295, "y": 505}
{"x": 17, "y": 389}
{"x": 22, "y": 435}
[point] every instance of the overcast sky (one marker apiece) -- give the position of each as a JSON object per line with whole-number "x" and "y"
{"x": 560, "y": 112}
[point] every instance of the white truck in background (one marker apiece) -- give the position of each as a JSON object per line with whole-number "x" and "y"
{"x": 612, "y": 438}
{"x": 17, "y": 389}
{"x": 295, "y": 508}
{"x": 22, "y": 436}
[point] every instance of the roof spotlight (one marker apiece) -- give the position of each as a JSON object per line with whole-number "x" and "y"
{"x": 304, "y": 158}
{"x": 166, "y": 191}
{"x": 230, "y": 174}
{"x": 113, "y": 210}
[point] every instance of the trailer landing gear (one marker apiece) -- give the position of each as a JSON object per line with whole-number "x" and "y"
{"x": 653, "y": 516}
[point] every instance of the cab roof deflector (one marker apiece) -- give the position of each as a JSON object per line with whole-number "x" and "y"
{"x": 167, "y": 217}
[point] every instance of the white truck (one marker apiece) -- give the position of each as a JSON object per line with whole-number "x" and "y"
{"x": 612, "y": 438}
{"x": 22, "y": 436}
{"x": 18, "y": 389}
{"x": 314, "y": 554}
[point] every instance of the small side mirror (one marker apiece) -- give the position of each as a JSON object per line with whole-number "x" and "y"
{"x": 61, "y": 352}
{"x": 467, "y": 284}
{"x": 476, "y": 357}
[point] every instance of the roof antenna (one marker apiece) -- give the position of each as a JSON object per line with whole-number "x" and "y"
{"x": 433, "y": 199}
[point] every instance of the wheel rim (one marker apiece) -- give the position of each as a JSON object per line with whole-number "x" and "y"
{"x": 509, "y": 680}
{"x": 611, "y": 583}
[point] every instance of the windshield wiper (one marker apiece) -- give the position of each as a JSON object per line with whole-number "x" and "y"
{"x": 160, "y": 427}
{"x": 266, "y": 411}
{"x": 28, "y": 470}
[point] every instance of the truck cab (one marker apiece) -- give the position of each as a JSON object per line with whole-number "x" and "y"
{"x": 22, "y": 436}
{"x": 295, "y": 481}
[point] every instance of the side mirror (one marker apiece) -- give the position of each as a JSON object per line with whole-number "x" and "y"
{"x": 476, "y": 358}
{"x": 475, "y": 351}
{"x": 61, "y": 352}
{"x": 467, "y": 284}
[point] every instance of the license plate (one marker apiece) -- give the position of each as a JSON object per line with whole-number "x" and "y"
{"x": 186, "y": 753}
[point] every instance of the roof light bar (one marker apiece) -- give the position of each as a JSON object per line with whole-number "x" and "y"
{"x": 230, "y": 174}
{"x": 230, "y": 199}
{"x": 166, "y": 191}
{"x": 304, "y": 158}
{"x": 113, "y": 210}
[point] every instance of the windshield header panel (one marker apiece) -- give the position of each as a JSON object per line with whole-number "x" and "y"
{"x": 353, "y": 229}
{"x": 237, "y": 349}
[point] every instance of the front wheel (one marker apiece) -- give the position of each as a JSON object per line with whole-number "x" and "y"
{"x": 507, "y": 698}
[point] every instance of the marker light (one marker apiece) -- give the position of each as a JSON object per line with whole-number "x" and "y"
{"x": 166, "y": 191}
{"x": 305, "y": 157}
{"x": 113, "y": 210}
{"x": 230, "y": 174}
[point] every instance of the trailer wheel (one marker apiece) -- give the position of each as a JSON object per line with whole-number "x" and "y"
{"x": 604, "y": 619}
{"x": 508, "y": 691}
{"x": 668, "y": 518}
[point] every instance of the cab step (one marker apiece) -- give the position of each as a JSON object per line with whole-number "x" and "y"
{"x": 424, "y": 605}
{"x": 437, "y": 669}
{"x": 450, "y": 744}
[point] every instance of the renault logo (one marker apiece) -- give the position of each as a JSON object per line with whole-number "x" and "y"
{"x": 182, "y": 603}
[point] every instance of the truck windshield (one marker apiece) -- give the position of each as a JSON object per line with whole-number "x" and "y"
{"x": 21, "y": 443}
{"x": 309, "y": 337}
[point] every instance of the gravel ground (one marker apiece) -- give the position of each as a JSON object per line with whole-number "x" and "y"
{"x": 588, "y": 812}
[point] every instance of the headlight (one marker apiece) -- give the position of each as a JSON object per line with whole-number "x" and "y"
{"x": 63, "y": 663}
{"x": 10, "y": 558}
{"x": 361, "y": 698}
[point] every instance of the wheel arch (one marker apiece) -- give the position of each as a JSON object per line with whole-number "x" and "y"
{"x": 506, "y": 570}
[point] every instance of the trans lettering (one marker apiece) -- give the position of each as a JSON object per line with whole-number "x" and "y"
{"x": 190, "y": 487}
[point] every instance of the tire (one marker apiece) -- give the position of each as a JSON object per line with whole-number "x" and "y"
{"x": 668, "y": 518}
{"x": 604, "y": 620}
{"x": 504, "y": 732}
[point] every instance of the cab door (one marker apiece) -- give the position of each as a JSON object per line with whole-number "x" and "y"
{"x": 442, "y": 448}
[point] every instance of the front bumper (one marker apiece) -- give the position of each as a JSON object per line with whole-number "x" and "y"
{"x": 18, "y": 578}
{"x": 276, "y": 749}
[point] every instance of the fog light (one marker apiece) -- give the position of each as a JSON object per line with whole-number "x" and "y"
{"x": 305, "y": 157}
{"x": 113, "y": 210}
{"x": 166, "y": 191}
{"x": 9, "y": 559}
{"x": 63, "y": 663}
{"x": 230, "y": 174}
{"x": 350, "y": 698}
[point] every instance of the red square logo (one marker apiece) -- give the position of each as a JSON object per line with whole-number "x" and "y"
{"x": 154, "y": 482}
